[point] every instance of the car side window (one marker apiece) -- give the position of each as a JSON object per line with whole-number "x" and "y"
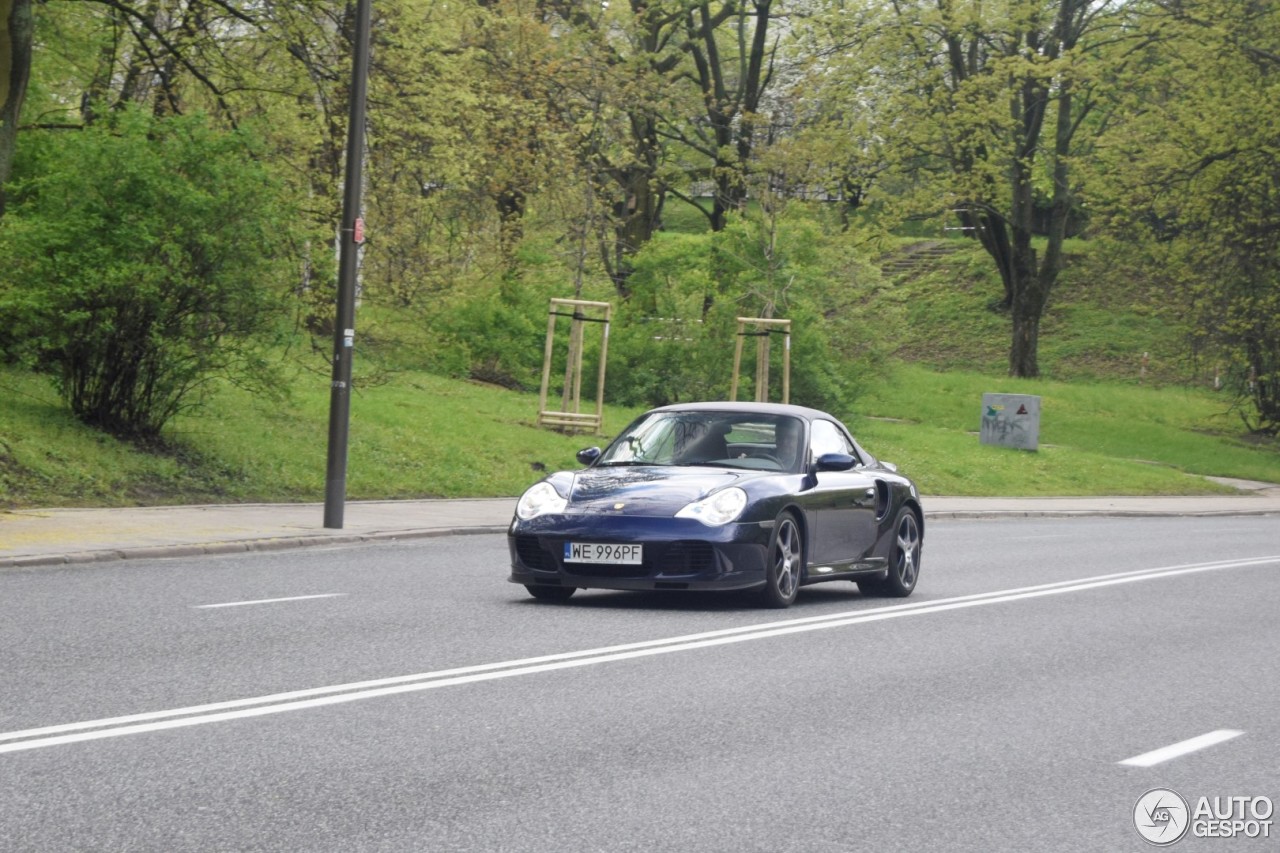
{"x": 826, "y": 437}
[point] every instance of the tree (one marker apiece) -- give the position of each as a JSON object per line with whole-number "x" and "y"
{"x": 732, "y": 73}
{"x": 614, "y": 91}
{"x": 17, "y": 28}
{"x": 1191, "y": 168}
{"x": 145, "y": 258}
{"x": 980, "y": 107}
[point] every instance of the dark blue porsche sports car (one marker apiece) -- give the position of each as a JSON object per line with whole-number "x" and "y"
{"x": 721, "y": 496}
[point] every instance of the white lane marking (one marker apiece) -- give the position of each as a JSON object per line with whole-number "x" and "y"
{"x": 320, "y": 696}
{"x": 1177, "y": 750}
{"x": 268, "y": 600}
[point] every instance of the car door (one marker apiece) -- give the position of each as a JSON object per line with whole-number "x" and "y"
{"x": 842, "y": 506}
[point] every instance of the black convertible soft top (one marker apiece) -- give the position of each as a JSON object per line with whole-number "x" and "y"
{"x": 750, "y": 408}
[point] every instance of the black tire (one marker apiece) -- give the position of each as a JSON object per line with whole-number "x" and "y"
{"x": 550, "y": 593}
{"x": 904, "y": 559}
{"x": 785, "y": 563}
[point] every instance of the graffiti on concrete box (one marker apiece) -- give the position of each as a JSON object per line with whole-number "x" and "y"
{"x": 1011, "y": 420}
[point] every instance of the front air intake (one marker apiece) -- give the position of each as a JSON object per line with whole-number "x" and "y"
{"x": 533, "y": 555}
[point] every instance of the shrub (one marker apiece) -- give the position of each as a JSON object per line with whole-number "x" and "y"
{"x": 674, "y": 340}
{"x": 143, "y": 258}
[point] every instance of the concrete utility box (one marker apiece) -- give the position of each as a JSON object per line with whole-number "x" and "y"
{"x": 1011, "y": 420}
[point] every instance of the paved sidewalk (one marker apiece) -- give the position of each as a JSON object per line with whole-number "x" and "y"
{"x": 33, "y": 537}
{"x": 39, "y": 537}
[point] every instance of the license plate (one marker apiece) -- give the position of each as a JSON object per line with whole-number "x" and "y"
{"x": 599, "y": 552}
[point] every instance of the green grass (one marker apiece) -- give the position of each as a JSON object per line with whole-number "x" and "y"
{"x": 1105, "y": 428}
{"x": 423, "y": 436}
{"x": 49, "y": 458}
{"x": 1095, "y": 439}
{"x": 1102, "y": 319}
{"x": 416, "y": 436}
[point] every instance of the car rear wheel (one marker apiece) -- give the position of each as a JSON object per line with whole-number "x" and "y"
{"x": 786, "y": 558}
{"x": 904, "y": 559}
{"x": 551, "y": 593}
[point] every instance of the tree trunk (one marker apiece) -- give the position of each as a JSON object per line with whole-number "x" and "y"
{"x": 991, "y": 231}
{"x": 1026, "y": 283}
{"x": 1264, "y": 380}
{"x": 510, "y": 201}
{"x": 730, "y": 102}
{"x": 17, "y": 28}
{"x": 636, "y": 220}
{"x": 636, "y": 215}
{"x": 1023, "y": 352}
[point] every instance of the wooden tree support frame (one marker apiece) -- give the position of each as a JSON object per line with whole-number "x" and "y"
{"x": 762, "y": 329}
{"x": 570, "y": 414}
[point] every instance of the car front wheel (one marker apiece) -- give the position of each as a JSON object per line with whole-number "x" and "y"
{"x": 786, "y": 558}
{"x": 904, "y": 559}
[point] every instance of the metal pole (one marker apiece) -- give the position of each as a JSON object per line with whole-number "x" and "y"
{"x": 335, "y": 484}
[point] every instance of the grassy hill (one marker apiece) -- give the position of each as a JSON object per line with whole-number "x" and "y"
{"x": 1110, "y": 424}
{"x": 1095, "y": 438}
{"x": 415, "y": 436}
{"x": 423, "y": 436}
{"x": 1106, "y": 319}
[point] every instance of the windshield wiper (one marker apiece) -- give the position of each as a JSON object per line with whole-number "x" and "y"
{"x": 708, "y": 464}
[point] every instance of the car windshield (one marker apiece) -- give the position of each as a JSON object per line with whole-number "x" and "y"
{"x": 721, "y": 439}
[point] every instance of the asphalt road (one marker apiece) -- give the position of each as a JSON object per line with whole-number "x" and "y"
{"x": 404, "y": 697}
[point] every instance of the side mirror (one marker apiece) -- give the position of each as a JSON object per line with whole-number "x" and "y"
{"x": 589, "y": 455}
{"x": 835, "y": 462}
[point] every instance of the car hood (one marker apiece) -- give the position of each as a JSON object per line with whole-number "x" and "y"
{"x": 647, "y": 490}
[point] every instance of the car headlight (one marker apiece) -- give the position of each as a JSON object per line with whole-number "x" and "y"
{"x": 540, "y": 499}
{"x": 721, "y": 508}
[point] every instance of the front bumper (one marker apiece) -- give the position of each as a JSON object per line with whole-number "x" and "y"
{"x": 678, "y": 553}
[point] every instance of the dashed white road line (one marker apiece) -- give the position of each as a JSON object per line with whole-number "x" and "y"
{"x": 1177, "y": 750}
{"x": 268, "y": 601}
{"x": 315, "y": 697}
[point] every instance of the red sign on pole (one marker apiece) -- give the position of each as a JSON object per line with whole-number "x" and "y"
{"x": 358, "y": 235}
